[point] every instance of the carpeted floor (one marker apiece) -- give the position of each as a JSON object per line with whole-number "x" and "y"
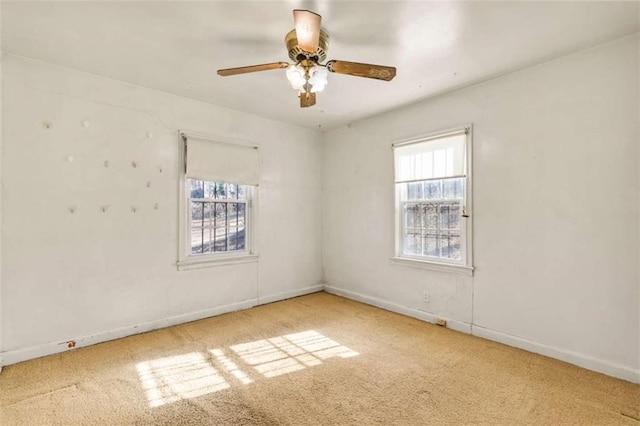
{"x": 313, "y": 360}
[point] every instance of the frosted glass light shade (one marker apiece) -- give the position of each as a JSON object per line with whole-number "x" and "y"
{"x": 318, "y": 79}
{"x": 295, "y": 75}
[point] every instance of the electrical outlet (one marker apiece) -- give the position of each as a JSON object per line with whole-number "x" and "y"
{"x": 426, "y": 297}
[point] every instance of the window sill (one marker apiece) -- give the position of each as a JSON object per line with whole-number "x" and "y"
{"x": 434, "y": 266}
{"x": 209, "y": 262}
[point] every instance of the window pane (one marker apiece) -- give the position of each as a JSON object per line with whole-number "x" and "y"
{"x": 242, "y": 212}
{"x": 196, "y": 213}
{"x": 208, "y": 214}
{"x": 232, "y": 213}
{"x": 207, "y": 234}
{"x": 411, "y": 243}
{"x": 233, "y": 238}
{"x": 444, "y": 216}
{"x": 196, "y": 240}
{"x": 220, "y": 214}
{"x": 240, "y": 237}
{"x": 430, "y": 218}
{"x": 233, "y": 191}
{"x": 454, "y": 216}
{"x": 209, "y": 189}
{"x": 410, "y": 213}
{"x": 242, "y": 192}
{"x": 240, "y": 226}
{"x": 452, "y": 189}
{"x": 443, "y": 189}
{"x": 444, "y": 246}
{"x": 197, "y": 188}
{"x": 415, "y": 191}
{"x": 454, "y": 247}
{"x": 433, "y": 189}
{"x": 220, "y": 239}
{"x": 220, "y": 191}
{"x": 430, "y": 247}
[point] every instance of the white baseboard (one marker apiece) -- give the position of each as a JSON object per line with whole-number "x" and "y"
{"x": 584, "y": 361}
{"x": 289, "y": 294}
{"x": 19, "y": 355}
{"x": 410, "y": 312}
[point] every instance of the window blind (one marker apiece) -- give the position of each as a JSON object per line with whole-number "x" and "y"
{"x": 437, "y": 158}
{"x": 221, "y": 162}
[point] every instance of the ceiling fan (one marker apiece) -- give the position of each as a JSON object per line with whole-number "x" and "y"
{"x": 307, "y": 45}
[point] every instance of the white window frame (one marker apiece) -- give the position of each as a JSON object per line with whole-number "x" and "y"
{"x": 465, "y": 264}
{"x": 187, "y": 260}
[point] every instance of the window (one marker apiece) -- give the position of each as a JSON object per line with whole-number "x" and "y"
{"x": 218, "y": 189}
{"x": 433, "y": 184}
{"x": 218, "y": 213}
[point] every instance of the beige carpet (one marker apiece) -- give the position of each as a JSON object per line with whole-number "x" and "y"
{"x": 317, "y": 359}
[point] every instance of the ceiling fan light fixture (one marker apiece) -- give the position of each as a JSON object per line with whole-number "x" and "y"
{"x": 318, "y": 78}
{"x": 295, "y": 75}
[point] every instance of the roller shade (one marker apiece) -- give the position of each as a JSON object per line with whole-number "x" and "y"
{"x": 436, "y": 158}
{"x": 221, "y": 162}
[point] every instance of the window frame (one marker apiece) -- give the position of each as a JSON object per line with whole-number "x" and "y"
{"x": 465, "y": 264}
{"x": 187, "y": 260}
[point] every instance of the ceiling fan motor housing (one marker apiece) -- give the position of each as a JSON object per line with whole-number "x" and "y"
{"x": 296, "y": 54}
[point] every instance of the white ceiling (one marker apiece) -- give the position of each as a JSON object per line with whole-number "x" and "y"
{"x": 176, "y": 46}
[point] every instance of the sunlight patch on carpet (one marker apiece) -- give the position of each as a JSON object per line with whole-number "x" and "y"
{"x": 292, "y": 352}
{"x": 194, "y": 374}
{"x": 179, "y": 377}
{"x": 230, "y": 366}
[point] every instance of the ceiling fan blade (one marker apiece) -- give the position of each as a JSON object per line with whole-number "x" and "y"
{"x": 307, "y": 26}
{"x": 252, "y": 68}
{"x": 379, "y": 72}
{"x": 307, "y": 99}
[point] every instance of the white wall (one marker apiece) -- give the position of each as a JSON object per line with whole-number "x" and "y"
{"x": 556, "y": 210}
{"x": 90, "y": 275}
